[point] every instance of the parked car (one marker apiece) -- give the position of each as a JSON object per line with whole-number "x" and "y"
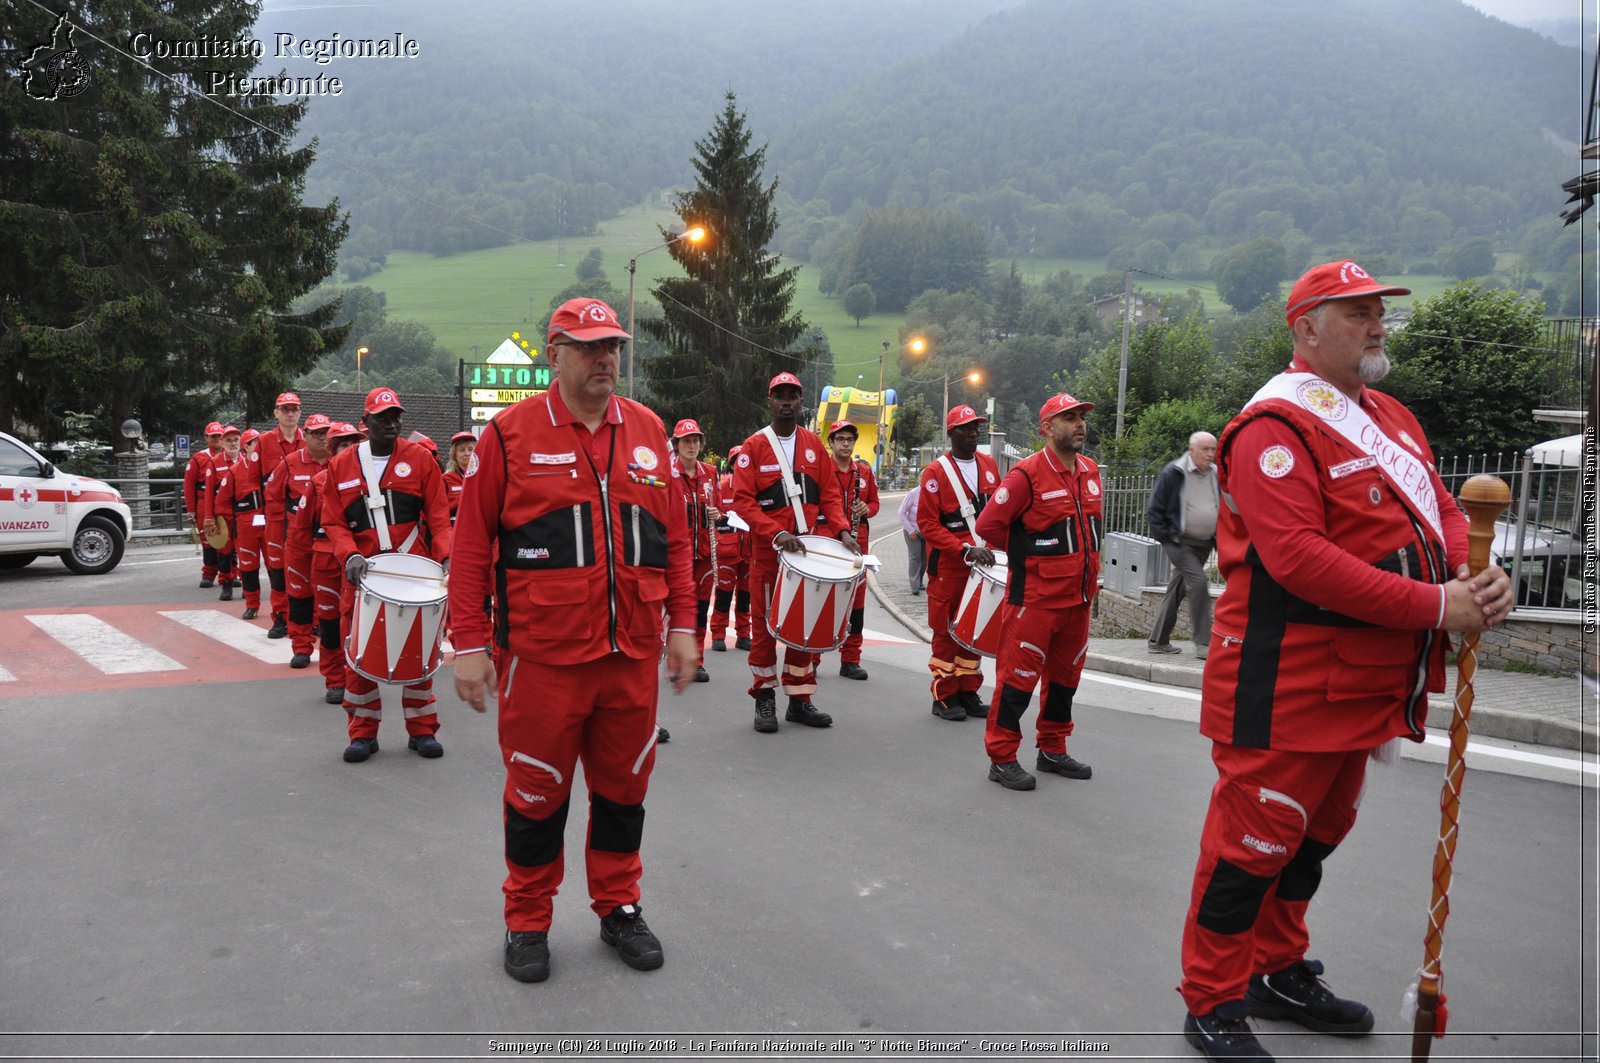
{"x": 46, "y": 511}
{"x": 1551, "y": 576}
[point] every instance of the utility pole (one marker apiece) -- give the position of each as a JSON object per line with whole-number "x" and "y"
{"x": 1127, "y": 320}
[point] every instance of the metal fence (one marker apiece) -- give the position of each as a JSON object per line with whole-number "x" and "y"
{"x": 155, "y": 502}
{"x": 1571, "y": 343}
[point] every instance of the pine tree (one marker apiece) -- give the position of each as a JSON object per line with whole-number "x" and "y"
{"x": 152, "y": 237}
{"x": 722, "y": 323}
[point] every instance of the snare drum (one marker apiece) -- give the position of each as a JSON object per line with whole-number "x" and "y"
{"x": 975, "y": 625}
{"x": 810, "y": 606}
{"x": 399, "y": 620}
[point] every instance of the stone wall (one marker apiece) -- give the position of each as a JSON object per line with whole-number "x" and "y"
{"x": 1552, "y": 646}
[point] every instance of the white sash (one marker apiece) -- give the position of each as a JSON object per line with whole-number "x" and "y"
{"x": 968, "y": 512}
{"x": 791, "y": 486}
{"x": 1405, "y": 470}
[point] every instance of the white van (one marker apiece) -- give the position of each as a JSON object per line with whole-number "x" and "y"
{"x": 46, "y": 511}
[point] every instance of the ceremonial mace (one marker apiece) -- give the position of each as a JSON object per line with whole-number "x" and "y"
{"x": 1485, "y": 498}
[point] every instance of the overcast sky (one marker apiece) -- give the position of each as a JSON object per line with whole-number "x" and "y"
{"x": 1519, "y": 11}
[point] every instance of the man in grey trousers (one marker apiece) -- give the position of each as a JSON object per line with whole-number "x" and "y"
{"x": 1183, "y": 517}
{"x": 916, "y": 549}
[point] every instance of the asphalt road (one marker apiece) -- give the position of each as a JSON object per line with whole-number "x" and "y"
{"x": 188, "y": 868}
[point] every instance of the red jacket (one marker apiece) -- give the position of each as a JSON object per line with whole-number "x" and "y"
{"x": 1324, "y": 638}
{"x": 453, "y": 483}
{"x": 306, "y": 535}
{"x": 759, "y": 496}
{"x": 414, "y": 489}
{"x": 585, "y": 551}
{"x": 239, "y": 494}
{"x": 699, "y": 490}
{"x": 939, "y": 514}
{"x": 731, "y": 543}
{"x": 194, "y": 479}
{"x": 289, "y": 482}
{"x": 273, "y": 448}
{"x": 217, "y": 464}
{"x": 1047, "y": 518}
{"x": 856, "y": 482}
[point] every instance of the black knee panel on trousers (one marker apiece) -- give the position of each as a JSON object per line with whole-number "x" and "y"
{"x": 743, "y": 604}
{"x": 1232, "y": 899}
{"x": 276, "y": 581}
{"x": 209, "y": 555}
{"x": 328, "y": 634}
{"x": 723, "y": 600}
{"x": 1300, "y": 877}
{"x": 858, "y": 621}
{"x": 301, "y": 611}
{"x": 250, "y": 580}
{"x": 700, "y": 610}
{"x": 226, "y": 562}
{"x": 1013, "y": 703}
{"x": 1058, "y": 704}
{"x": 614, "y": 828}
{"x": 534, "y": 842}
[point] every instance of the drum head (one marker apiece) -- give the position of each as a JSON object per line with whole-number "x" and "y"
{"x": 404, "y": 578}
{"x": 997, "y": 572}
{"x": 824, "y": 559}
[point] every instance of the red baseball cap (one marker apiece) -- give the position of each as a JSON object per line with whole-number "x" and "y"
{"x": 229, "y": 430}
{"x": 426, "y": 441}
{"x": 839, "y": 426}
{"x": 688, "y": 427}
{"x": 343, "y": 428}
{"x": 248, "y": 435}
{"x": 288, "y": 398}
{"x": 585, "y": 320}
{"x": 1059, "y": 404}
{"x": 782, "y": 379}
{"x": 735, "y": 450}
{"x": 214, "y": 428}
{"x": 318, "y": 422}
{"x": 1334, "y": 280}
{"x": 463, "y": 436}
{"x": 380, "y": 399}
{"x": 961, "y": 415}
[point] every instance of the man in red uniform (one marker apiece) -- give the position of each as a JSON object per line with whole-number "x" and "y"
{"x": 308, "y": 550}
{"x": 239, "y": 500}
{"x": 955, "y": 489}
{"x": 859, "y": 489}
{"x": 782, "y": 469}
{"x": 700, "y": 509}
{"x": 733, "y": 569}
{"x": 194, "y": 486}
{"x": 287, "y": 484}
{"x": 1338, "y": 542}
{"x": 574, "y": 507}
{"x": 215, "y": 473}
{"x": 283, "y": 440}
{"x": 1047, "y": 517}
{"x": 385, "y": 495}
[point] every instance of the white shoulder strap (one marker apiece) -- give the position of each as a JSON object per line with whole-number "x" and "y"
{"x": 791, "y": 484}
{"x": 377, "y": 509}
{"x": 968, "y": 513}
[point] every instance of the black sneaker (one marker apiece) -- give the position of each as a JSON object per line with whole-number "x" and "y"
{"x": 528, "y": 955}
{"x": 279, "y": 628}
{"x": 742, "y": 644}
{"x": 801, "y": 710}
{"x": 250, "y": 614}
{"x": 227, "y": 593}
{"x": 1012, "y": 776}
{"x": 971, "y": 704}
{"x": 303, "y": 660}
{"x": 1224, "y": 1033}
{"x": 852, "y": 670}
{"x": 766, "y": 711}
{"x": 625, "y": 930}
{"x": 425, "y": 746}
{"x": 663, "y": 736}
{"x": 719, "y": 645}
{"x": 360, "y": 749}
{"x": 948, "y": 710}
{"x": 1063, "y": 764}
{"x": 333, "y": 695}
{"x": 701, "y": 675}
{"x": 1298, "y": 993}
{"x": 205, "y": 584}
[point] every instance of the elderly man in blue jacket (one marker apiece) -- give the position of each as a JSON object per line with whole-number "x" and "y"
{"x": 1183, "y": 516}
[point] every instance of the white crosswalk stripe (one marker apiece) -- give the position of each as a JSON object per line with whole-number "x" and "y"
{"x": 236, "y": 634}
{"x": 6, "y": 677}
{"x": 880, "y": 636}
{"x": 103, "y": 646}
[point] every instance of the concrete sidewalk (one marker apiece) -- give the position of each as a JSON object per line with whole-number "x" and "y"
{"x": 1514, "y": 706}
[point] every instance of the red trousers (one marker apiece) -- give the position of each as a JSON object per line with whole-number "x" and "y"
{"x": 300, "y": 596}
{"x": 1274, "y": 818}
{"x": 1038, "y": 647}
{"x": 277, "y": 578}
{"x": 363, "y": 700}
{"x": 799, "y": 667}
{"x": 328, "y": 588}
{"x": 603, "y": 714}
{"x": 733, "y": 596}
{"x": 248, "y": 542}
{"x": 704, "y": 586}
{"x": 208, "y": 560}
{"x": 954, "y": 669}
{"x": 850, "y": 652}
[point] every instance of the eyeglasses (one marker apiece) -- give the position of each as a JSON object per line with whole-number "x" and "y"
{"x": 610, "y": 345}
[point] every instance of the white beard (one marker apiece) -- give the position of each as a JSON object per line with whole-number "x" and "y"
{"x": 1374, "y": 367}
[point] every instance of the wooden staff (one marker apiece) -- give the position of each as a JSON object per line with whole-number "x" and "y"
{"x": 1485, "y": 498}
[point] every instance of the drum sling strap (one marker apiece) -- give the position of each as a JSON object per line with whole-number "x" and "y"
{"x": 791, "y": 484}
{"x": 378, "y": 506}
{"x": 965, "y": 503}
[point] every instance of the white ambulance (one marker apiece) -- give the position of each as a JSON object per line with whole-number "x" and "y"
{"x": 46, "y": 511}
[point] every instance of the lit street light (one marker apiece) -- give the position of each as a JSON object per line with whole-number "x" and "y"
{"x": 694, "y": 236}
{"x": 361, "y": 356}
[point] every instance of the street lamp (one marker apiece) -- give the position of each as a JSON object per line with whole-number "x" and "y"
{"x": 361, "y": 356}
{"x": 694, "y": 236}
{"x": 974, "y": 377}
{"x": 916, "y": 346}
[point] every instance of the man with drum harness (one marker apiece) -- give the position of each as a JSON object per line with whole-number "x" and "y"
{"x": 575, "y": 508}
{"x": 385, "y": 495}
{"x": 733, "y": 569}
{"x": 859, "y": 489}
{"x": 308, "y": 550}
{"x": 1047, "y": 513}
{"x": 781, "y": 486}
{"x": 954, "y": 491}
{"x": 699, "y": 481}
{"x": 281, "y": 441}
{"x": 287, "y": 484}
{"x": 1345, "y": 561}
{"x": 240, "y": 500}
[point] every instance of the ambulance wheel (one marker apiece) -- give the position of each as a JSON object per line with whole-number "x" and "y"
{"x": 16, "y": 560}
{"x": 96, "y": 548}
